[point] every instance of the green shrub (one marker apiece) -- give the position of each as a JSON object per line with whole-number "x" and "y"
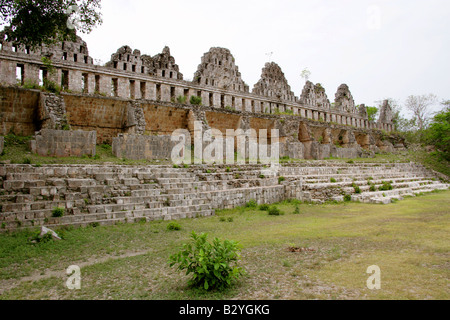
{"x": 373, "y": 188}
{"x": 212, "y": 265}
{"x": 357, "y": 188}
{"x": 281, "y": 179}
{"x": 333, "y": 180}
{"x": 274, "y": 211}
{"x": 347, "y": 198}
{"x": 58, "y": 212}
{"x": 297, "y": 210}
{"x": 181, "y": 99}
{"x": 195, "y": 100}
{"x": 26, "y": 160}
{"x": 251, "y": 204}
{"x": 386, "y": 186}
{"x": 173, "y": 226}
{"x": 264, "y": 207}
{"x": 350, "y": 162}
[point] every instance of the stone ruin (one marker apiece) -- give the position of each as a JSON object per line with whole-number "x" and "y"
{"x": 139, "y": 94}
{"x": 135, "y": 102}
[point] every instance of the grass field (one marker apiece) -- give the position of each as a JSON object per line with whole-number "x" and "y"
{"x": 409, "y": 241}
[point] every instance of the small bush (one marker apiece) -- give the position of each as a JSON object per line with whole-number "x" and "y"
{"x": 357, "y": 188}
{"x": 373, "y": 188}
{"x": 274, "y": 211}
{"x": 58, "y": 212}
{"x": 251, "y": 204}
{"x": 297, "y": 210}
{"x": 26, "y": 161}
{"x": 173, "y": 226}
{"x": 195, "y": 100}
{"x": 212, "y": 265}
{"x": 386, "y": 186}
{"x": 281, "y": 179}
{"x": 264, "y": 207}
{"x": 347, "y": 198}
{"x": 181, "y": 99}
{"x": 350, "y": 162}
{"x": 333, "y": 180}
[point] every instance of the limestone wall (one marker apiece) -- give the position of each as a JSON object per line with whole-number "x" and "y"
{"x": 130, "y": 75}
{"x": 142, "y": 147}
{"x": 60, "y": 143}
{"x": 18, "y": 109}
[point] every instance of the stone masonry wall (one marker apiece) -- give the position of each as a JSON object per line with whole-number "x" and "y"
{"x": 18, "y": 108}
{"x": 60, "y": 143}
{"x": 142, "y": 147}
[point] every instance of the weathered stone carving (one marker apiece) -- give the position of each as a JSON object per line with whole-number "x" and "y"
{"x": 273, "y": 83}
{"x": 135, "y": 120}
{"x": 315, "y": 96}
{"x": 52, "y": 112}
{"x": 385, "y": 113}
{"x": 344, "y": 99}
{"x": 162, "y": 64}
{"x": 218, "y": 69}
{"x": 363, "y": 112}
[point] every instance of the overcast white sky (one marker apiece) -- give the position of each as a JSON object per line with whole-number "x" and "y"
{"x": 380, "y": 48}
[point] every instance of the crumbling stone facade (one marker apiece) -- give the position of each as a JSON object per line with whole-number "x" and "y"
{"x": 314, "y": 95}
{"x": 218, "y": 69}
{"x": 139, "y": 95}
{"x": 273, "y": 84}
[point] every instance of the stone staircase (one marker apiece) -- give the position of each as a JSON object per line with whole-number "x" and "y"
{"x": 395, "y": 180}
{"x": 110, "y": 194}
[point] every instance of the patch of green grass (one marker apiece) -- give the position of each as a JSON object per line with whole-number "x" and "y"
{"x": 129, "y": 261}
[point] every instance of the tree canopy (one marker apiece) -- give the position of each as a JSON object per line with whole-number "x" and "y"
{"x": 35, "y": 22}
{"x": 438, "y": 133}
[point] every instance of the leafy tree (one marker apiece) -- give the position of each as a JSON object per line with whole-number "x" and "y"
{"x": 373, "y": 113}
{"x": 35, "y": 22}
{"x": 438, "y": 133}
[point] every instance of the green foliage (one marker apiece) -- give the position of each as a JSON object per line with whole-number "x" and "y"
{"x": 281, "y": 179}
{"x": 275, "y": 211}
{"x": 297, "y": 210}
{"x": 173, "y": 226}
{"x": 386, "y": 186}
{"x": 372, "y": 113}
{"x": 195, "y": 100}
{"x": 182, "y": 99}
{"x": 52, "y": 87}
{"x": 251, "y": 204}
{"x": 438, "y": 133}
{"x": 347, "y": 198}
{"x": 357, "y": 188}
{"x": 333, "y": 180}
{"x": 264, "y": 207}
{"x": 32, "y": 23}
{"x": 37, "y": 238}
{"x": 372, "y": 188}
{"x": 213, "y": 266}
{"x": 26, "y": 160}
{"x": 58, "y": 212}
